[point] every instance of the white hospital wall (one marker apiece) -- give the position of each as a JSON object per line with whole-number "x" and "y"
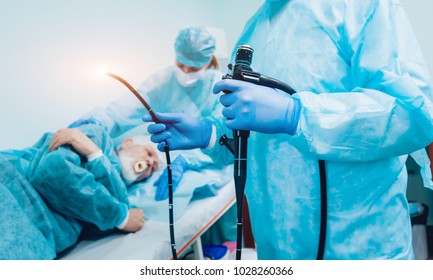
{"x": 53, "y": 54}
{"x": 52, "y": 50}
{"x": 420, "y": 15}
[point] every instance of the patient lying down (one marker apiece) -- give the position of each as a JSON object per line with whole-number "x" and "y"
{"x": 82, "y": 180}
{"x": 137, "y": 161}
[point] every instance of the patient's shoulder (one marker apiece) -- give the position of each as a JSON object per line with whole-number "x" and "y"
{"x": 99, "y": 135}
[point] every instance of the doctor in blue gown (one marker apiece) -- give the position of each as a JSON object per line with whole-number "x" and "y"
{"x": 363, "y": 102}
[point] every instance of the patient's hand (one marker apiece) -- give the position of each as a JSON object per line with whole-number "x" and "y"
{"x": 74, "y": 137}
{"x": 135, "y": 221}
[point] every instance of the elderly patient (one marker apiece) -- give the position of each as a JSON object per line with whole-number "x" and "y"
{"x": 82, "y": 179}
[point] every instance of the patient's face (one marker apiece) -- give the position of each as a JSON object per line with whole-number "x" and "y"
{"x": 137, "y": 161}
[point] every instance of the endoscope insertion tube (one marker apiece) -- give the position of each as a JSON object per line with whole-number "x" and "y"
{"x": 243, "y": 58}
{"x": 167, "y": 156}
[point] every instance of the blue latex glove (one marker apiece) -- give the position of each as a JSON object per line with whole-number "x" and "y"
{"x": 181, "y": 131}
{"x": 257, "y": 108}
{"x": 178, "y": 168}
{"x": 81, "y": 122}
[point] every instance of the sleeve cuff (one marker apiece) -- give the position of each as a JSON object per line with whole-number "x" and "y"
{"x": 212, "y": 139}
{"x": 122, "y": 225}
{"x": 95, "y": 155}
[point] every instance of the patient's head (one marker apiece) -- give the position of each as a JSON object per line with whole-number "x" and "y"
{"x": 138, "y": 158}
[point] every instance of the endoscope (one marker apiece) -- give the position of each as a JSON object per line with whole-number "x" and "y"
{"x": 241, "y": 70}
{"x": 167, "y": 156}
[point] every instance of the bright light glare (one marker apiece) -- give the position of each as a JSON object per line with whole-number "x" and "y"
{"x": 102, "y": 71}
{"x": 98, "y": 71}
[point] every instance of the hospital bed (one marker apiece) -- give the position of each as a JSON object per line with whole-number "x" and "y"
{"x": 152, "y": 242}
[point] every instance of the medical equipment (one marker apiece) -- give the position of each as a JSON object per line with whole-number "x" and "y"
{"x": 238, "y": 145}
{"x": 167, "y": 156}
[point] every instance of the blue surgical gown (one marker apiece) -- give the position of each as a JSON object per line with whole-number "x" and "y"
{"x": 366, "y": 100}
{"x": 78, "y": 192}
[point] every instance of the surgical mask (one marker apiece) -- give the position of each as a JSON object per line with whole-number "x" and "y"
{"x": 189, "y": 79}
{"x": 131, "y": 170}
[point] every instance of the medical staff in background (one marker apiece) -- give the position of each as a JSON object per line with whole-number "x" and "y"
{"x": 183, "y": 87}
{"x": 363, "y": 103}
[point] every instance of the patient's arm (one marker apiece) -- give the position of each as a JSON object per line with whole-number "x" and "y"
{"x": 74, "y": 137}
{"x": 135, "y": 220}
{"x": 83, "y": 145}
{"x": 90, "y": 191}
{"x": 74, "y": 192}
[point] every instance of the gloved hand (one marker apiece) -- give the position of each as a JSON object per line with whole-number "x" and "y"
{"x": 181, "y": 131}
{"x": 178, "y": 168}
{"x": 257, "y": 108}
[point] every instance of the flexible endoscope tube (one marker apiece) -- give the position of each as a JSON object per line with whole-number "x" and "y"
{"x": 167, "y": 156}
{"x": 120, "y": 79}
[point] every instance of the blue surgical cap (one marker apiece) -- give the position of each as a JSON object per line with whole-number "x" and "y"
{"x": 194, "y": 46}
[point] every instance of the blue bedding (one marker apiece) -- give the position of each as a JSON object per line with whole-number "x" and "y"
{"x": 194, "y": 185}
{"x": 26, "y": 221}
